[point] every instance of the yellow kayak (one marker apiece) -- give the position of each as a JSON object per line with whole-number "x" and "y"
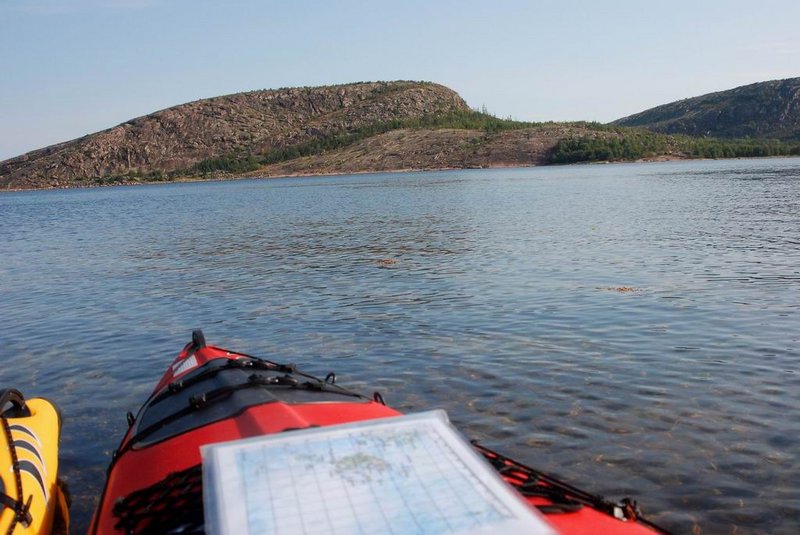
{"x": 32, "y": 499}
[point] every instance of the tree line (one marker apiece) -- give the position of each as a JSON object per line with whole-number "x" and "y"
{"x": 634, "y": 145}
{"x": 600, "y": 143}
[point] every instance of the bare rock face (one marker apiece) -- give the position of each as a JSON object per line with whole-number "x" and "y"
{"x": 765, "y": 110}
{"x": 244, "y": 123}
{"x": 426, "y": 149}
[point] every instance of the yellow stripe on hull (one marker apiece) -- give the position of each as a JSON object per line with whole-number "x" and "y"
{"x": 35, "y": 440}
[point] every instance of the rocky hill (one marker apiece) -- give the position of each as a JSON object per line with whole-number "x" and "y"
{"x": 388, "y": 126}
{"x": 766, "y": 110}
{"x": 245, "y": 125}
{"x": 442, "y": 148}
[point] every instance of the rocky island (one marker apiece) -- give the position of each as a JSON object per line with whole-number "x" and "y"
{"x": 385, "y": 126}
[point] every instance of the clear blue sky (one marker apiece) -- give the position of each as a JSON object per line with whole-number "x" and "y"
{"x": 72, "y": 67}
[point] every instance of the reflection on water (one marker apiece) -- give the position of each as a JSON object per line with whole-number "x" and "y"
{"x": 633, "y": 328}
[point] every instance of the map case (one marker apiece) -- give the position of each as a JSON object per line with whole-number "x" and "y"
{"x": 409, "y": 474}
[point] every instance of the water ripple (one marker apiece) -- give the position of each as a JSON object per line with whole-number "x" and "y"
{"x": 633, "y": 328}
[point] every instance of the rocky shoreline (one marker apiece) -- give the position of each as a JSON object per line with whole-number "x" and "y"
{"x": 255, "y": 175}
{"x": 369, "y": 127}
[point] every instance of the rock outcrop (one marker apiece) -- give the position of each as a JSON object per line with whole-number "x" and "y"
{"x": 426, "y": 149}
{"x": 256, "y": 122}
{"x": 386, "y": 126}
{"x": 766, "y": 110}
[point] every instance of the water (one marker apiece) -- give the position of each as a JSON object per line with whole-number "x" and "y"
{"x": 632, "y": 328}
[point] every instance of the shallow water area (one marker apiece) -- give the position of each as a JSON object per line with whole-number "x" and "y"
{"x": 632, "y": 328}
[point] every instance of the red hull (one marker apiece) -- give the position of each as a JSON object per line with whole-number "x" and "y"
{"x": 152, "y": 449}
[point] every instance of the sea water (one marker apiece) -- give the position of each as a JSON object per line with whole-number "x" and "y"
{"x": 632, "y": 328}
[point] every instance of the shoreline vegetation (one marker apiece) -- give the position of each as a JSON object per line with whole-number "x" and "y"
{"x": 599, "y": 143}
{"x": 368, "y": 127}
{"x": 227, "y": 177}
{"x": 243, "y": 164}
{"x": 637, "y": 144}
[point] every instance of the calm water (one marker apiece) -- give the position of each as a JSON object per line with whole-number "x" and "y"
{"x": 632, "y": 328}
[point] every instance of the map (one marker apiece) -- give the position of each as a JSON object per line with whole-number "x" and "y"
{"x": 405, "y": 475}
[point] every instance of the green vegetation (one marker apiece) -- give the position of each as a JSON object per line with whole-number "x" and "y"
{"x": 229, "y": 163}
{"x": 742, "y": 148}
{"x": 634, "y": 144}
{"x": 601, "y": 143}
{"x": 326, "y": 143}
{"x": 764, "y": 110}
{"x": 466, "y": 119}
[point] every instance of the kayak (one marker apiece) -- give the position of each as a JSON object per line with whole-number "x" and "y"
{"x": 32, "y": 498}
{"x": 210, "y": 395}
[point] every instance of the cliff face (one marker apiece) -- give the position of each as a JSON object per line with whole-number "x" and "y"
{"x": 244, "y": 123}
{"x": 767, "y": 110}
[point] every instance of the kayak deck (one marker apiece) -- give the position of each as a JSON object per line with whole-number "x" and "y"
{"x": 212, "y": 395}
{"x": 175, "y": 505}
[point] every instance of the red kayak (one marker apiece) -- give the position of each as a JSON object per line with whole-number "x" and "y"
{"x": 212, "y": 395}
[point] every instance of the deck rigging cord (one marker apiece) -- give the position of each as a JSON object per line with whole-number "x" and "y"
{"x": 21, "y": 508}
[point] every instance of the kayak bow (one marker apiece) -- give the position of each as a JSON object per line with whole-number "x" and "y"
{"x": 210, "y": 395}
{"x": 32, "y": 499}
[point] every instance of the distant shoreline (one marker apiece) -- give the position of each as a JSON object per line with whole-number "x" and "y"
{"x": 395, "y": 126}
{"x": 256, "y": 175}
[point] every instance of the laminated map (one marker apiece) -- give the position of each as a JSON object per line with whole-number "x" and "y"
{"x": 404, "y": 475}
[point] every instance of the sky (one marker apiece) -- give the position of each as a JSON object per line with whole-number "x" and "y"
{"x": 72, "y": 67}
